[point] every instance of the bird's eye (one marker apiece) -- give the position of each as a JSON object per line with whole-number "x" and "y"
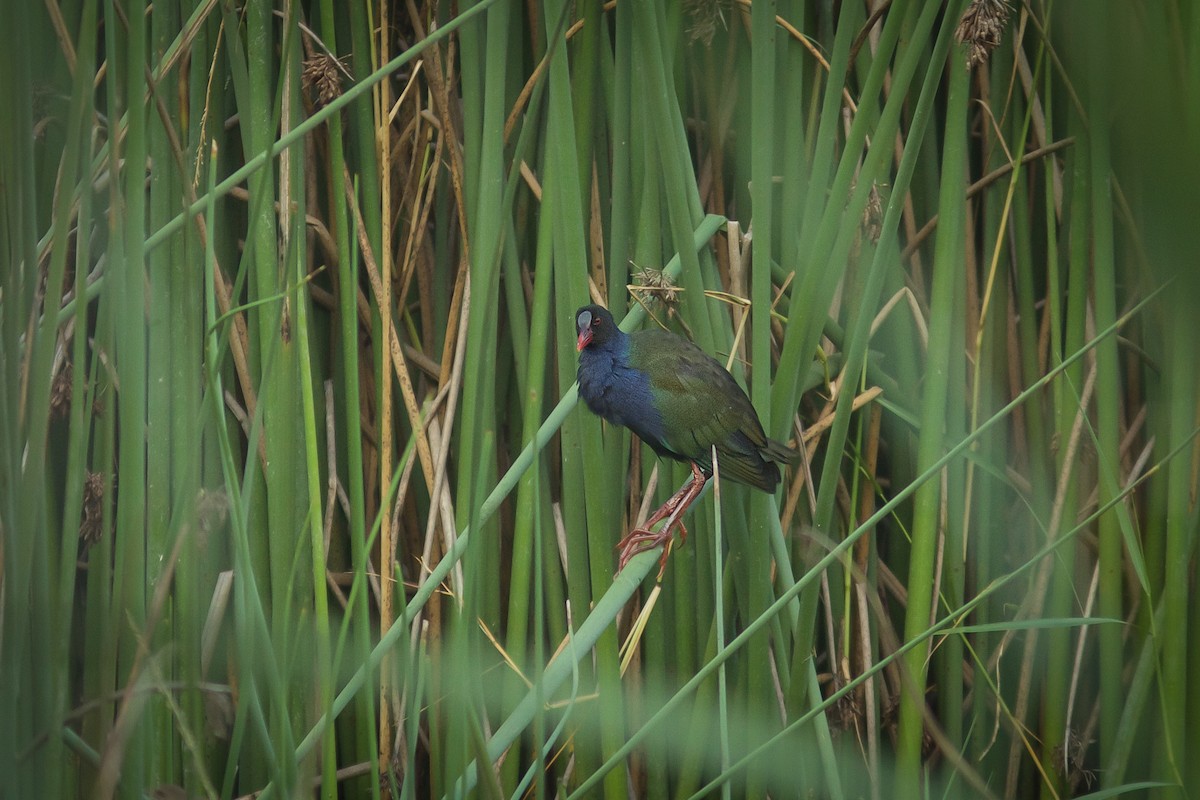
{"x": 596, "y": 322}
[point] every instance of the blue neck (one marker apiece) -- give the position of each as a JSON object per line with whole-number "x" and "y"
{"x": 617, "y": 391}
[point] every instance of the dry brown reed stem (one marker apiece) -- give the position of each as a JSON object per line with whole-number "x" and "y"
{"x": 398, "y": 359}
{"x": 984, "y": 182}
{"x": 334, "y": 491}
{"x": 527, "y": 90}
{"x": 810, "y": 441}
{"x": 452, "y": 386}
{"x": 440, "y": 80}
{"x": 381, "y": 285}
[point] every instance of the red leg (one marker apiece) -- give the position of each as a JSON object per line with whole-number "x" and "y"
{"x": 642, "y": 539}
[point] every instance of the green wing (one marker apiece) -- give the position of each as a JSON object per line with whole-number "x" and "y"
{"x": 701, "y": 406}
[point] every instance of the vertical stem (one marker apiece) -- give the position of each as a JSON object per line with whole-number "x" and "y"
{"x": 762, "y": 172}
{"x": 383, "y": 151}
{"x": 931, "y": 444}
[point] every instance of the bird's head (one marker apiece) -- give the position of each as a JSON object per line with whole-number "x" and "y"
{"x": 595, "y": 326}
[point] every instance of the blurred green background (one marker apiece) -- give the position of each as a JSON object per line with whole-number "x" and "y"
{"x": 295, "y": 498}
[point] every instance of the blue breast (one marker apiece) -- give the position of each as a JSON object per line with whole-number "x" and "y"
{"x": 618, "y": 392}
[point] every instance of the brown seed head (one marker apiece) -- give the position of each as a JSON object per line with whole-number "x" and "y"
{"x": 981, "y": 27}
{"x": 323, "y": 73}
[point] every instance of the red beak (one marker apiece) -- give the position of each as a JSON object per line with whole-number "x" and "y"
{"x": 585, "y": 338}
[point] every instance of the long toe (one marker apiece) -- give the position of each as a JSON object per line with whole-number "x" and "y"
{"x": 638, "y": 541}
{"x": 662, "y": 561}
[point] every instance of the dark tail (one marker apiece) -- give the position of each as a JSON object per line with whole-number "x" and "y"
{"x": 778, "y": 451}
{"x": 752, "y": 464}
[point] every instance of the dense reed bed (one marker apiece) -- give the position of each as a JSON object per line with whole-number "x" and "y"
{"x": 295, "y": 497}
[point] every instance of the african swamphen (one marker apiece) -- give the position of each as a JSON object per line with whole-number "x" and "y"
{"x": 681, "y": 402}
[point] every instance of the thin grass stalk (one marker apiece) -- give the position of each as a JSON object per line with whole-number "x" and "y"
{"x": 416, "y": 690}
{"x": 200, "y": 509}
{"x": 677, "y": 188}
{"x": 1039, "y": 425}
{"x": 1111, "y": 557}
{"x": 362, "y": 127}
{"x": 310, "y": 432}
{"x": 651, "y": 773}
{"x": 209, "y": 139}
{"x": 77, "y": 472}
{"x": 763, "y": 125}
{"x": 949, "y": 671}
{"x": 942, "y": 304}
{"x": 538, "y": 767}
{"x": 864, "y": 638}
{"x": 351, "y": 413}
{"x": 215, "y": 396}
{"x": 484, "y": 85}
{"x": 722, "y": 685}
{"x": 535, "y": 385}
{"x": 485, "y": 169}
{"x": 466, "y": 704}
{"x": 1062, "y": 600}
{"x": 762, "y": 192}
{"x": 586, "y": 90}
{"x": 388, "y": 692}
{"x": 257, "y": 128}
{"x": 99, "y": 678}
{"x": 1065, "y": 504}
{"x": 166, "y": 461}
{"x": 795, "y": 78}
{"x": 1171, "y": 741}
{"x": 621, "y": 116}
{"x": 130, "y": 574}
{"x": 530, "y": 512}
{"x": 645, "y": 165}
{"x": 675, "y": 645}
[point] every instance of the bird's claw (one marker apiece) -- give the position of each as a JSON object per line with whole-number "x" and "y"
{"x": 639, "y": 540}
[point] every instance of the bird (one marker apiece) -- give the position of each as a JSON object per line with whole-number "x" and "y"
{"x": 681, "y": 402}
